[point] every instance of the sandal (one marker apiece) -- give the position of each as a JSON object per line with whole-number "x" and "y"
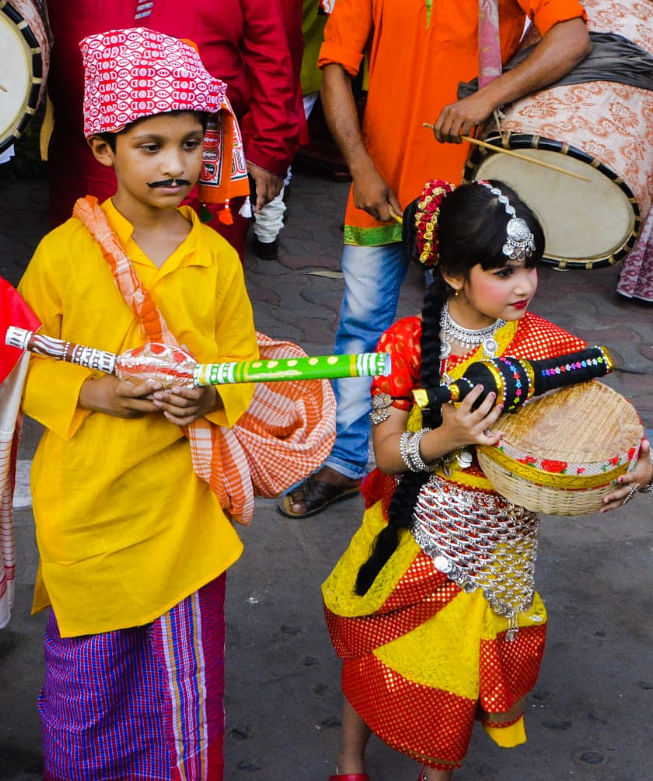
{"x": 316, "y": 495}
{"x": 350, "y": 777}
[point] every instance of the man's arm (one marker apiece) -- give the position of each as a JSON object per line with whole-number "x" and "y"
{"x": 271, "y": 128}
{"x": 560, "y": 50}
{"x": 371, "y": 191}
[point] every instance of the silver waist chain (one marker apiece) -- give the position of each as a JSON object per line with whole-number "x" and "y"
{"x": 479, "y": 540}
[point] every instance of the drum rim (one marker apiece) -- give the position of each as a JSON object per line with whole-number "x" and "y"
{"x": 511, "y": 140}
{"x": 31, "y": 102}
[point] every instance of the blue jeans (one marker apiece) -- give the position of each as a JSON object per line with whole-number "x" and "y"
{"x": 373, "y": 278}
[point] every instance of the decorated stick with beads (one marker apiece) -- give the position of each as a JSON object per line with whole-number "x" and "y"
{"x": 516, "y": 380}
{"x": 172, "y": 366}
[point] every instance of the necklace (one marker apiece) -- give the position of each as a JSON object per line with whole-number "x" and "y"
{"x": 451, "y": 331}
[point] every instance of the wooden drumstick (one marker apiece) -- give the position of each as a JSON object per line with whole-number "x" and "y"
{"x": 519, "y": 156}
{"x": 3, "y": 88}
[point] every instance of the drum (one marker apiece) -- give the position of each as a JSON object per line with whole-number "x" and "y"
{"x": 601, "y": 130}
{"x": 23, "y": 66}
{"x": 560, "y": 453}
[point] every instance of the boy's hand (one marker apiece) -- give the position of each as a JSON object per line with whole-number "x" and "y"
{"x": 122, "y": 399}
{"x": 182, "y": 406}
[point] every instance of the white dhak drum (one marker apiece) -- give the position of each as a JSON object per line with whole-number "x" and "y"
{"x": 24, "y": 62}
{"x": 601, "y": 130}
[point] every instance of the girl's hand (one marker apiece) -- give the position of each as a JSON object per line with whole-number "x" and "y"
{"x": 465, "y": 426}
{"x": 122, "y": 399}
{"x": 632, "y": 482}
{"x": 183, "y": 406}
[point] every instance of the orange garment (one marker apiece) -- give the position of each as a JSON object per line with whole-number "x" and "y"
{"x": 415, "y": 65}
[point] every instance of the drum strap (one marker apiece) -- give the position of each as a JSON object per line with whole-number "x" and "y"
{"x": 489, "y": 42}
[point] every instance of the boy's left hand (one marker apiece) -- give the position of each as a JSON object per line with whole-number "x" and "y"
{"x": 637, "y": 478}
{"x": 183, "y": 406}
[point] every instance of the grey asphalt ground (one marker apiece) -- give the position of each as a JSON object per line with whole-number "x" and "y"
{"x": 589, "y": 717}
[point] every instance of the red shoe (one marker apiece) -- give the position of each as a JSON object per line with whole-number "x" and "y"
{"x": 350, "y": 777}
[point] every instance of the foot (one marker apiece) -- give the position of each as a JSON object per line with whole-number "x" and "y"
{"x": 431, "y": 774}
{"x": 266, "y": 250}
{"x": 317, "y": 492}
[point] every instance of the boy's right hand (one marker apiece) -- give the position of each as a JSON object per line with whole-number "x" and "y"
{"x": 122, "y": 399}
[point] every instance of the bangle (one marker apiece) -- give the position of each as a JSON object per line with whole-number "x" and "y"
{"x": 404, "y": 439}
{"x": 419, "y": 465}
{"x": 409, "y": 449}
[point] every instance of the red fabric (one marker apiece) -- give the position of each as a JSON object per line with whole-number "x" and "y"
{"x": 421, "y": 593}
{"x": 241, "y": 42}
{"x": 13, "y": 311}
{"x": 411, "y": 720}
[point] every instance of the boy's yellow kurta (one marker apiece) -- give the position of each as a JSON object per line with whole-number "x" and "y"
{"x": 124, "y": 527}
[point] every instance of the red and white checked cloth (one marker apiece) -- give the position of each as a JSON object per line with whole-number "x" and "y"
{"x": 13, "y": 366}
{"x": 284, "y": 435}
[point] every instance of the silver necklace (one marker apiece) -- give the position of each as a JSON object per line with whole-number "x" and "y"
{"x": 451, "y": 331}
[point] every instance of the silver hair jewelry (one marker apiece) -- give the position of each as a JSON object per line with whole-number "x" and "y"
{"x": 520, "y": 242}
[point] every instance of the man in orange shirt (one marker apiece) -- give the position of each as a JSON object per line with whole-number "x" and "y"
{"x": 418, "y": 53}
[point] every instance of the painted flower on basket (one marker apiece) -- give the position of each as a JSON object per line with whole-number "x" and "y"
{"x": 558, "y": 467}
{"x": 528, "y": 460}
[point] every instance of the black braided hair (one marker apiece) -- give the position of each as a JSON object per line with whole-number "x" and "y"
{"x": 472, "y": 229}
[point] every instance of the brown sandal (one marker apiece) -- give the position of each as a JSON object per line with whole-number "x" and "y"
{"x": 316, "y": 495}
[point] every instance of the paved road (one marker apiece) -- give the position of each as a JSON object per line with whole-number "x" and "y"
{"x": 589, "y": 716}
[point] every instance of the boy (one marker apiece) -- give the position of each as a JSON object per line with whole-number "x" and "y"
{"x": 133, "y": 543}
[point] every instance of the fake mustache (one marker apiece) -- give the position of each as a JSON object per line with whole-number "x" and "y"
{"x": 169, "y": 183}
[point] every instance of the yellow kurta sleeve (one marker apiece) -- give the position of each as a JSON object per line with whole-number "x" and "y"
{"x": 52, "y": 387}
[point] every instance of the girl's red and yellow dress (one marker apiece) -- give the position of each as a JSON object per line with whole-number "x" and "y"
{"x": 451, "y": 629}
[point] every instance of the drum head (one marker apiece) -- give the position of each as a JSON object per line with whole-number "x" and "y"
{"x": 21, "y": 71}
{"x": 587, "y": 224}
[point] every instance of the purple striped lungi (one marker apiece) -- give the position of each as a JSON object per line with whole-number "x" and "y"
{"x": 138, "y": 704}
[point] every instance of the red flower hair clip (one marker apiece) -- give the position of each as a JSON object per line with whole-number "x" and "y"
{"x": 426, "y": 220}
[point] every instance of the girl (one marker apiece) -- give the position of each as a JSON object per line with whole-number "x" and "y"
{"x": 432, "y": 606}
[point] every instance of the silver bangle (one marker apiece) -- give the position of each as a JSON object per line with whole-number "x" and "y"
{"x": 404, "y": 441}
{"x": 418, "y": 463}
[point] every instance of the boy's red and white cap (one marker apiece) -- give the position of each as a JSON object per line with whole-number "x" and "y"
{"x": 136, "y": 73}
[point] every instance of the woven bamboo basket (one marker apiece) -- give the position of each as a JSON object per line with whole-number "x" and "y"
{"x": 561, "y": 453}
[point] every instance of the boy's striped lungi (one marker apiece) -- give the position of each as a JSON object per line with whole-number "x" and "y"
{"x": 141, "y": 704}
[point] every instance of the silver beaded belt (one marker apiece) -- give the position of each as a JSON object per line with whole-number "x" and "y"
{"x": 479, "y": 540}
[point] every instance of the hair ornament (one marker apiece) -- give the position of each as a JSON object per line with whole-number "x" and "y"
{"x": 520, "y": 242}
{"x": 426, "y": 220}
